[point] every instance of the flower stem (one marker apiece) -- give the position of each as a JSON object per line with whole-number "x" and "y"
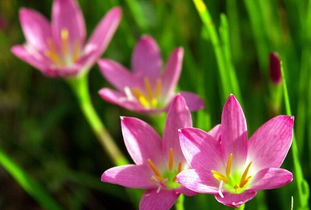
{"x": 80, "y": 88}
{"x": 241, "y": 207}
{"x": 180, "y": 202}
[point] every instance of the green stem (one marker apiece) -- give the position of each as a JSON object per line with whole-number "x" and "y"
{"x": 80, "y": 87}
{"x": 242, "y": 207}
{"x": 28, "y": 183}
{"x": 180, "y": 202}
{"x": 302, "y": 185}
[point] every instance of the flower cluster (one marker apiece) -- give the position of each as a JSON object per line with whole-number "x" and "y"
{"x": 186, "y": 160}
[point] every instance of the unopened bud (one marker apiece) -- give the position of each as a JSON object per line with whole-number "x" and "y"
{"x": 275, "y": 68}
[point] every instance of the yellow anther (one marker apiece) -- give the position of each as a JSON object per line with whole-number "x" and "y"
{"x": 244, "y": 178}
{"x": 219, "y": 176}
{"x": 65, "y": 37}
{"x": 171, "y": 159}
{"x": 179, "y": 169}
{"x": 76, "y": 50}
{"x": 155, "y": 170}
{"x": 148, "y": 87}
{"x": 229, "y": 163}
{"x": 52, "y": 52}
{"x": 158, "y": 88}
{"x": 140, "y": 97}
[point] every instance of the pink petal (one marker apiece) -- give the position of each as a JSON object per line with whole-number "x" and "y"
{"x": 271, "y": 178}
{"x": 153, "y": 200}
{"x": 200, "y": 150}
{"x": 104, "y": 31}
{"x": 141, "y": 140}
{"x": 36, "y": 28}
{"x": 135, "y": 176}
{"x": 234, "y": 131}
{"x": 22, "y": 53}
{"x": 120, "y": 99}
{"x": 215, "y": 132}
{"x": 194, "y": 102}
{"x": 117, "y": 75}
{"x": 270, "y": 143}
{"x": 63, "y": 71}
{"x": 235, "y": 200}
{"x": 172, "y": 71}
{"x": 201, "y": 183}
{"x": 66, "y": 14}
{"x": 146, "y": 60}
{"x": 186, "y": 191}
{"x": 178, "y": 117}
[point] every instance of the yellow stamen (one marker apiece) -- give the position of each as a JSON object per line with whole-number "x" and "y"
{"x": 179, "y": 169}
{"x": 158, "y": 88}
{"x": 65, "y": 37}
{"x": 171, "y": 159}
{"x": 244, "y": 178}
{"x": 155, "y": 170}
{"x": 141, "y": 98}
{"x": 52, "y": 52}
{"x": 76, "y": 50}
{"x": 229, "y": 163}
{"x": 219, "y": 176}
{"x": 148, "y": 88}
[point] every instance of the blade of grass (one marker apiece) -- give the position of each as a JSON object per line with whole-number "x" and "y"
{"x": 28, "y": 183}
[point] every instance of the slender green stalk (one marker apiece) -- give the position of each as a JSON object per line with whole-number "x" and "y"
{"x": 80, "y": 87}
{"x": 137, "y": 12}
{"x": 302, "y": 185}
{"x": 28, "y": 183}
{"x": 180, "y": 202}
{"x": 241, "y": 207}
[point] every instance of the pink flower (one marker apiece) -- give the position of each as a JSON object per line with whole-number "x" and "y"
{"x": 59, "y": 49}
{"x": 157, "y": 161}
{"x": 225, "y": 163}
{"x": 147, "y": 88}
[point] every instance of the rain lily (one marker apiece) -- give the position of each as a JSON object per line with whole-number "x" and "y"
{"x": 59, "y": 49}
{"x": 147, "y": 88}
{"x": 157, "y": 161}
{"x": 225, "y": 163}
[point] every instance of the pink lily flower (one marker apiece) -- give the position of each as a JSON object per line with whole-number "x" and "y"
{"x": 147, "y": 88}
{"x": 157, "y": 161}
{"x": 59, "y": 49}
{"x": 225, "y": 163}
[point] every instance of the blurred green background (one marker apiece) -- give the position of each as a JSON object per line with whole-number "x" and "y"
{"x": 43, "y": 130}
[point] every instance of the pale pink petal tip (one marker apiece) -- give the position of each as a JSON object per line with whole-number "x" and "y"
{"x": 235, "y": 200}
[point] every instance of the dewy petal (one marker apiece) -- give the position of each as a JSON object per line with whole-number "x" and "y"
{"x": 194, "y": 102}
{"x": 215, "y": 132}
{"x": 146, "y": 60}
{"x": 162, "y": 200}
{"x": 104, "y": 31}
{"x": 67, "y": 15}
{"x": 235, "y": 200}
{"x": 198, "y": 182}
{"x": 271, "y": 178}
{"x": 178, "y": 117}
{"x": 200, "y": 150}
{"x": 22, "y": 53}
{"x": 116, "y": 74}
{"x": 135, "y": 176}
{"x": 120, "y": 99}
{"x": 234, "y": 131}
{"x": 270, "y": 143}
{"x": 172, "y": 72}
{"x": 36, "y": 28}
{"x": 141, "y": 140}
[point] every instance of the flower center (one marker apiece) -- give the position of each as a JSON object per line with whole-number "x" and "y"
{"x": 149, "y": 96}
{"x": 167, "y": 179}
{"x": 68, "y": 52}
{"x": 233, "y": 182}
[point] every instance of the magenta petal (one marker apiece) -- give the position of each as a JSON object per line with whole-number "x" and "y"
{"x": 135, "y": 176}
{"x": 153, "y": 200}
{"x": 178, "y": 117}
{"x": 201, "y": 183}
{"x": 120, "y": 99}
{"x": 117, "y": 75}
{"x": 171, "y": 73}
{"x": 234, "y": 131}
{"x": 22, "y": 53}
{"x": 104, "y": 31}
{"x": 270, "y": 143}
{"x": 141, "y": 140}
{"x": 194, "y": 102}
{"x": 235, "y": 200}
{"x": 36, "y": 28}
{"x": 200, "y": 150}
{"x": 271, "y": 178}
{"x": 66, "y": 14}
{"x": 215, "y": 132}
{"x": 146, "y": 60}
